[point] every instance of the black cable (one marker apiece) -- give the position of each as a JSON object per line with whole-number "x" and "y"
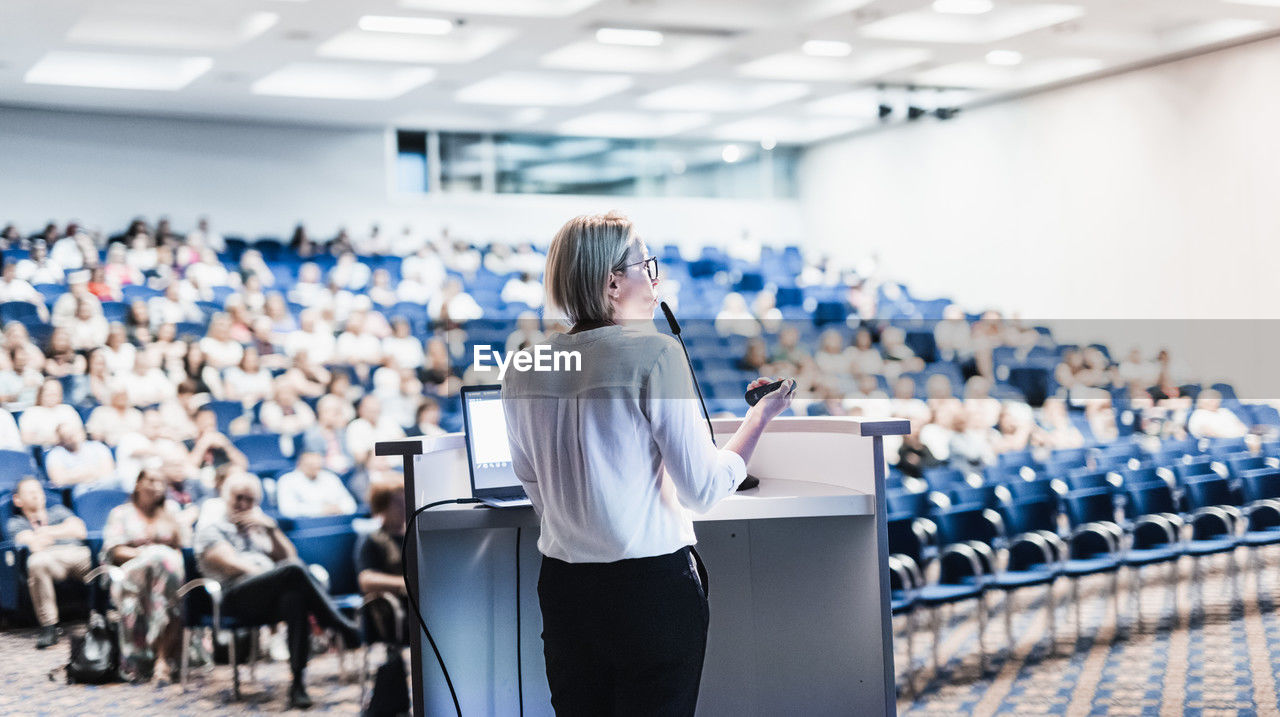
{"x": 675, "y": 329}
{"x": 413, "y": 601}
{"x": 519, "y": 662}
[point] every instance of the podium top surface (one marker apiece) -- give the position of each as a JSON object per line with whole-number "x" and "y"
{"x": 772, "y": 499}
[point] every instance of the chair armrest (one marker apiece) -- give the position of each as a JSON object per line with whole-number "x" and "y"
{"x": 1264, "y": 504}
{"x": 965, "y": 551}
{"x": 1160, "y": 520}
{"x": 986, "y": 554}
{"x": 398, "y": 612}
{"x": 1038, "y": 540}
{"x": 1230, "y": 519}
{"x": 897, "y": 568}
{"x": 214, "y": 590}
{"x": 996, "y": 521}
{"x": 917, "y": 577}
{"x": 926, "y": 531}
{"x": 114, "y": 574}
{"x": 1107, "y": 531}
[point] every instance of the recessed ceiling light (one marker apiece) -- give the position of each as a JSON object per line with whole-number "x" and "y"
{"x": 963, "y": 7}
{"x": 722, "y": 96}
{"x": 632, "y": 124}
{"x": 342, "y": 81}
{"x": 122, "y": 72}
{"x": 622, "y": 36}
{"x": 827, "y": 48}
{"x": 731, "y": 153}
{"x": 1004, "y": 58}
{"x": 406, "y": 25}
{"x": 543, "y": 89}
{"x": 768, "y": 143}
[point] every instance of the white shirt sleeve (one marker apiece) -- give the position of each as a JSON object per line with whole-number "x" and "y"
{"x": 701, "y": 473}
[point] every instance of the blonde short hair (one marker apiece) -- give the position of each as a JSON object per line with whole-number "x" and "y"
{"x": 583, "y": 254}
{"x": 239, "y": 480}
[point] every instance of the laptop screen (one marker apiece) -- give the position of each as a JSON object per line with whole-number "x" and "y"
{"x": 488, "y": 451}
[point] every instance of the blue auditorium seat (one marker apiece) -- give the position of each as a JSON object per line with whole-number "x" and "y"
{"x": 93, "y": 506}
{"x": 14, "y": 465}
{"x": 266, "y": 458}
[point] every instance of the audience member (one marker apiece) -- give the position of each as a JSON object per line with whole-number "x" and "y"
{"x": 39, "y": 423}
{"x": 262, "y": 580}
{"x": 78, "y": 463}
{"x": 309, "y": 490}
{"x": 144, "y": 537}
{"x": 113, "y": 420}
{"x": 55, "y": 538}
{"x": 380, "y": 565}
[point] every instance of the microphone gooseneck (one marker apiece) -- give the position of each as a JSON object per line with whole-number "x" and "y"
{"x": 675, "y": 329}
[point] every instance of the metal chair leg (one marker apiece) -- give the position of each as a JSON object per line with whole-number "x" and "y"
{"x": 1075, "y": 598}
{"x": 937, "y": 636}
{"x": 184, "y": 660}
{"x": 235, "y": 666}
{"x": 1008, "y": 620}
{"x": 982, "y": 631}
{"x": 1173, "y": 585}
{"x": 253, "y": 654}
{"x": 1052, "y": 617}
{"x": 1137, "y": 597}
{"x": 911, "y": 654}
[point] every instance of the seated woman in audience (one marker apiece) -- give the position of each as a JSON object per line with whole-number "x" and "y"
{"x": 380, "y": 564}
{"x": 382, "y": 292}
{"x": 970, "y": 448}
{"x": 248, "y": 382}
{"x": 17, "y": 338}
{"x": 1013, "y": 428}
{"x": 328, "y": 435}
{"x": 1102, "y": 419}
{"x": 144, "y": 538}
{"x": 211, "y": 449}
{"x": 285, "y": 413}
{"x": 736, "y": 318}
{"x": 117, "y": 270}
{"x": 358, "y": 348}
{"x": 369, "y": 427}
{"x": 138, "y": 317}
{"x": 864, "y": 357}
{"x": 755, "y": 358}
{"x": 146, "y": 384}
{"x": 179, "y": 413}
{"x": 196, "y": 367}
{"x": 1056, "y": 429}
{"x": 831, "y": 358}
{"x": 262, "y": 580}
{"x": 40, "y": 422}
{"x": 86, "y": 329}
{"x": 270, "y": 353}
{"x": 251, "y": 294}
{"x": 277, "y": 309}
{"x": 120, "y": 353}
{"x": 109, "y": 422}
{"x": 428, "y": 419}
{"x": 99, "y": 380}
{"x": 220, "y": 350}
{"x": 240, "y": 322}
{"x": 61, "y": 358}
{"x": 18, "y": 382}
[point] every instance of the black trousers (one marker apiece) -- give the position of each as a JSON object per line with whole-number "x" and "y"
{"x": 624, "y": 638}
{"x": 288, "y": 593}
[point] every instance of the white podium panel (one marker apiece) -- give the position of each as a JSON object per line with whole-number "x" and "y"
{"x": 797, "y": 567}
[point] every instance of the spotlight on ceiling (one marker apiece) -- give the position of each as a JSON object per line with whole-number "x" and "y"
{"x": 768, "y": 143}
{"x": 731, "y": 153}
{"x": 963, "y": 7}
{"x": 884, "y": 112}
{"x": 946, "y": 113}
{"x": 626, "y": 36}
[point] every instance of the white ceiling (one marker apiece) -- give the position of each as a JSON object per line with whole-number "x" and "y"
{"x": 730, "y": 69}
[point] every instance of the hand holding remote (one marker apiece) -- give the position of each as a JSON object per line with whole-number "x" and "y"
{"x": 767, "y": 386}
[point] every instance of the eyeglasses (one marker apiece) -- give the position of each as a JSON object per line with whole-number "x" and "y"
{"x": 650, "y": 267}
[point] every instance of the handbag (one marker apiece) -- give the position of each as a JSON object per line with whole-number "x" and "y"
{"x": 95, "y": 655}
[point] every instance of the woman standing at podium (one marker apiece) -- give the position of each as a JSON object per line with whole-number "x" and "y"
{"x": 624, "y": 610}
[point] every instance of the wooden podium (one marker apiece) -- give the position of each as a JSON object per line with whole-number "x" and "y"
{"x": 799, "y": 586}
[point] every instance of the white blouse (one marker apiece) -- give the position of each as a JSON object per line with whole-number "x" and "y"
{"x": 591, "y": 448}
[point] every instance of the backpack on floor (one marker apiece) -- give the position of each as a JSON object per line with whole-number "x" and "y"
{"x": 95, "y": 655}
{"x": 390, "y": 687}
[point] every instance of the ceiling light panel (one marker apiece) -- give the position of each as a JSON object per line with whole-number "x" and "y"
{"x": 632, "y": 124}
{"x": 124, "y": 72}
{"x": 789, "y": 130}
{"x": 826, "y": 48}
{"x": 342, "y": 81}
{"x": 542, "y": 89}
{"x": 459, "y": 46}
{"x": 405, "y": 25}
{"x": 732, "y": 15}
{"x": 677, "y": 52}
{"x": 190, "y": 26}
{"x": 855, "y": 68}
{"x": 719, "y": 96}
{"x": 516, "y": 8}
{"x": 863, "y": 104}
{"x": 1003, "y": 22}
{"x": 625, "y": 36}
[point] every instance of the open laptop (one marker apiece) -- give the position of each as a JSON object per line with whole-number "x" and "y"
{"x": 493, "y": 478}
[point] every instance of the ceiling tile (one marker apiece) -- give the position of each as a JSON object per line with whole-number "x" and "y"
{"x": 542, "y": 89}
{"x": 1003, "y": 22}
{"x": 722, "y": 96}
{"x": 342, "y": 81}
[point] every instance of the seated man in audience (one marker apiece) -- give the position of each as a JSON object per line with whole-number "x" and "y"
{"x": 311, "y": 491}
{"x": 86, "y": 465}
{"x": 380, "y": 564}
{"x": 54, "y": 536}
{"x": 39, "y": 423}
{"x": 211, "y": 448}
{"x": 286, "y": 414}
{"x": 113, "y": 421}
{"x": 1211, "y": 420}
{"x": 262, "y": 579}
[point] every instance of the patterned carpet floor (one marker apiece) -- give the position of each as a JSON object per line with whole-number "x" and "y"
{"x": 1222, "y": 657}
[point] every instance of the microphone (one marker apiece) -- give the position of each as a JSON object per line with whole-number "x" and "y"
{"x": 675, "y": 329}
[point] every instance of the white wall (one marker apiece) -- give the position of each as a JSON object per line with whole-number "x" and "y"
{"x": 1153, "y": 194}
{"x": 258, "y": 179}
